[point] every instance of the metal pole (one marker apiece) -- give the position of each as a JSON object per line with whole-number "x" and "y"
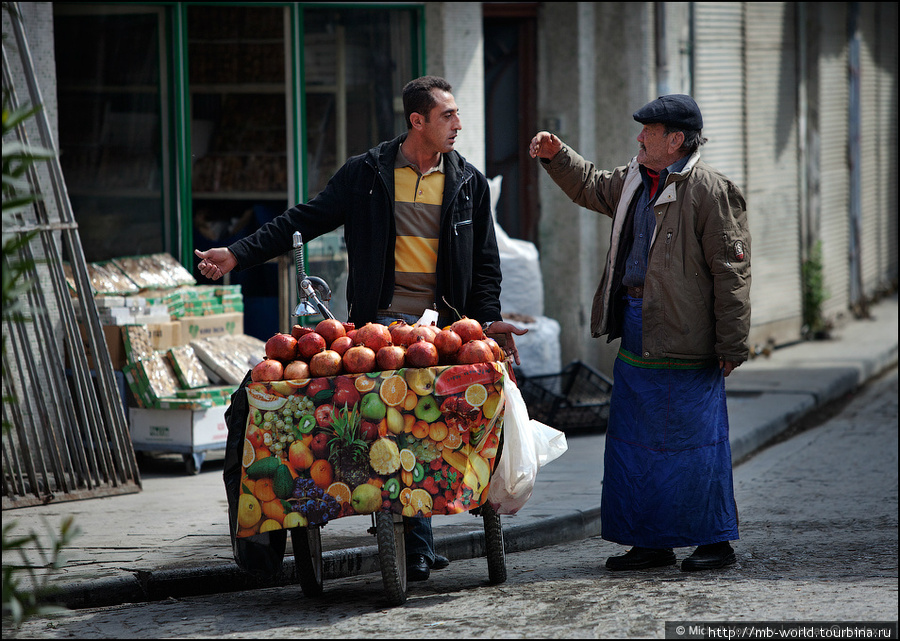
{"x": 112, "y": 406}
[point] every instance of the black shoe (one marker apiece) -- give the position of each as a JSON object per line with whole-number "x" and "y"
{"x": 709, "y": 557}
{"x": 440, "y": 562}
{"x": 638, "y": 558}
{"x": 417, "y": 567}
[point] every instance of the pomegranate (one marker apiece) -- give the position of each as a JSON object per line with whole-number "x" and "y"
{"x": 269, "y": 369}
{"x": 359, "y": 359}
{"x": 390, "y": 357}
{"x": 468, "y": 329}
{"x": 495, "y": 347}
{"x": 448, "y": 343}
{"x": 425, "y": 331}
{"x": 400, "y": 332}
{"x": 348, "y": 327}
{"x": 477, "y": 351}
{"x": 282, "y": 347}
{"x": 299, "y": 330}
{"x": 330, "y": 329}
{"x": 310, "y": 344}
{"x": 325, "y": 363}
{"x": 296, "y": 369}
{"x": 374, "y": 336}
{"x": 421, "y": 353}
{"x": 352, "y": 334}
{"x": 342, "y": 344}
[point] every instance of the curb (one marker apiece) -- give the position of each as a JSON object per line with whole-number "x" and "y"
{"x": 163, "y": 584}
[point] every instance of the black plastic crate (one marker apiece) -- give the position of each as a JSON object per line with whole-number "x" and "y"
{"x": 575, "y": 399}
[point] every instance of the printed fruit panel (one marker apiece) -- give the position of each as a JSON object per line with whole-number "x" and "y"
{"x": 414, "y": 441}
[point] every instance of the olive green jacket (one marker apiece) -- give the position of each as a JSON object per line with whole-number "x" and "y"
{"x": 696, "y": 302}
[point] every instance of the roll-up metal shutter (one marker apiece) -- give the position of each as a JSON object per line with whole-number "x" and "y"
{"x": 832, "y": 106}
{"x": 887, "y": 123}
{"x": 719, "y": 84}
{"x": 868, "y": 144}
{"x": 773, "y": 181}
{"x": 745, "y": 83}
{"x": 878, "y": 150}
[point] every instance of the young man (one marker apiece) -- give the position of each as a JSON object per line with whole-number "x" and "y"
{"x": 419, "y": 235}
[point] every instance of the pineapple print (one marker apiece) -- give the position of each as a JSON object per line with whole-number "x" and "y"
{"x": 385, "y": 456}
{"x": 348, "y": 452}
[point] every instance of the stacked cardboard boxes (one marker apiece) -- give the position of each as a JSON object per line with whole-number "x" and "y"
{"x": 180, "y": 346}
{"x": 156, "y": 292}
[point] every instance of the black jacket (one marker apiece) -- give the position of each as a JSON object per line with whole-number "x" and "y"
{"x": 360, "y": 196}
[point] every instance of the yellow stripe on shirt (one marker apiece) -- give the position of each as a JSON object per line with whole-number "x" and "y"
{"x": 415, "y": 255}
{"x": 409, "y": 187}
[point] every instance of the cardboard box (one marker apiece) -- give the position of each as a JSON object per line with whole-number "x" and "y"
{"x": 114, "y": 344}
{"x": 166, "y": 335}
{"x": 194, "y": 327}
{"x": 178, "y": 430}
{"x": 162, "y": 337}
{"x": 151, "y": 379}
{"x": 138, "y": 386}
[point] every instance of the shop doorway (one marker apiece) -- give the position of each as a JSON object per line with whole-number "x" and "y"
{"x": 510, "y": 68}
{"x": 238, "y": 97}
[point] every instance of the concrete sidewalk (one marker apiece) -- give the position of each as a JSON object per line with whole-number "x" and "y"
{"x": 171, "y": 539}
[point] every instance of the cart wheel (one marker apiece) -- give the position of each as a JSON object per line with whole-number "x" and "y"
{"x": 193, "y": 462}
{"x": 307, "y": 544}
{"x": 493, "y": 543}
{"x": 392, "y": 555}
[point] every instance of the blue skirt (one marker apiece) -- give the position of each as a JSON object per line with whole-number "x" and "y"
{"x": 667, "y": 476}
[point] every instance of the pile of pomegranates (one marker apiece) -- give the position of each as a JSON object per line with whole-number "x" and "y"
{"x": 333, "y": 348}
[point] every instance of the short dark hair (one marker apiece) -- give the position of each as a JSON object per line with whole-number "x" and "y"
{"x": 417, "y": 96}
{"x": 692, "y": 138}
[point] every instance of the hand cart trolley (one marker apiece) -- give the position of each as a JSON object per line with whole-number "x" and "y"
{"x": 391, "y": 444}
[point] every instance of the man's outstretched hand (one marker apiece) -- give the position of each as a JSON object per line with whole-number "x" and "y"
{"x": 544, "y": 145}
{"x": 215, "y": 262}
{"x": 502, "y": 332}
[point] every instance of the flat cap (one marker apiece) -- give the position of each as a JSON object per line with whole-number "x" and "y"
{"x": 677, "y": 109}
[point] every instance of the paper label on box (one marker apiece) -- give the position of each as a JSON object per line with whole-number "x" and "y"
{"x": 194, "y": 327}
{"x": 158, "y": 432}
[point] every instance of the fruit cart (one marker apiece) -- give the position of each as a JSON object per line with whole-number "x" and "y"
{"x": 391, "y": 444}
{"x": 340, "y": 439}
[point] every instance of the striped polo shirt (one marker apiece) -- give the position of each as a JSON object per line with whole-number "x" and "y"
{"x": 417, "y": 216}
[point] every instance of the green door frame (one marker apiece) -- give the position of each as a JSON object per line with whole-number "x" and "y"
{"x": 182, "y": 224}
{"x": 181, "y": 228}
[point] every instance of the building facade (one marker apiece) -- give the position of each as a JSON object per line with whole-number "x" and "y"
{"x": 187, "y": 125}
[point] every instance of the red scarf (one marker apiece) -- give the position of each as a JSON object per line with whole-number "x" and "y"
{"x": 654, "y": 182}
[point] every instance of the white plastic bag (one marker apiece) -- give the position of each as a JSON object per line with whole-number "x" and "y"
{"x": 527, "y": 446}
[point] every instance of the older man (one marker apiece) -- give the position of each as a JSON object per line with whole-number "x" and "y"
{"x": 676, "y": 291}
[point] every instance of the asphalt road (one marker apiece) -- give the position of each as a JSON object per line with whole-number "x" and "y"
{"x": 818, "y": 519}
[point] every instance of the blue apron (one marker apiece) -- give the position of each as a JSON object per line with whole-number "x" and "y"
{"x": 667, "y": 476}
